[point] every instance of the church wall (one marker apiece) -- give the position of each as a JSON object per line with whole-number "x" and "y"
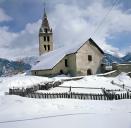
{"x": 82, "y": 62}
{"x": 60, "y": 67}
{"x": 41, "y": 72}
{"x": 71, "y": 68}
{"x": 72, "y": 64}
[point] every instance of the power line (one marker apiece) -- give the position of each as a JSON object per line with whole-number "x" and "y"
{"x": 106, "y": 15}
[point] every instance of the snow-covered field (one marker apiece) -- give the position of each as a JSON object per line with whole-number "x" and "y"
{"x": 20, "y": 81}
{"x": 20, "y": 112}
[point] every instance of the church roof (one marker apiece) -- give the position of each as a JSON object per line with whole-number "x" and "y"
{"x": 50, "y": 59}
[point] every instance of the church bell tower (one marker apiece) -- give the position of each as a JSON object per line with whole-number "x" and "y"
{"x": 45, "y": 36}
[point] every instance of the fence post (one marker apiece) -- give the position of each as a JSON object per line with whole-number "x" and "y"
{"x": 127, "y": 95}
{"x": 104, "y": 96}
{"x": 91, "y": 96}
{"x": 99, "y": 97}
{"x": 80, "y": 96}
{"x": 84, "y": 96}
{"x": 43, "y": 95}
{"x": 122, "y": 95}
{"x": 130, "y": 95}
{"x": 118, "y": 96}
{"x": 30, "y": 95}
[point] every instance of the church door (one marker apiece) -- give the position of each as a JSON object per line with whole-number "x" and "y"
{"x": 89, "y": 72}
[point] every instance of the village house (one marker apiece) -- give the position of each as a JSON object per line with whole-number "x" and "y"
{"x": 115, "y": 69}
{"x": 80, "y": 59}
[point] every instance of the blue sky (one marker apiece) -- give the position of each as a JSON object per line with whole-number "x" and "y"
{"x": 73, "y": 21}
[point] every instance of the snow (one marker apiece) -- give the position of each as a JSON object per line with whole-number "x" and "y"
{"x": 92, "y": 81}
{"x": 20, "y": 81}
{"x": 89, "y": 84}
{"x": 20, "y": 112}
{"x": 123, "y": 78}
{"x": 107, "y": 73}
{"x": 74, "y": 90}
{"x": 63, "y": 113}
{"x": 109, "y": 68}
{"x": 125, "y": 64}
{"x": 50, "y": 59}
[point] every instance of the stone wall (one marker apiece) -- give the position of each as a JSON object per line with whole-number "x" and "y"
{"x": 117, "y": 69}
{"x": 82, "y": 62}
{"x": 56, "y": 70}
{"x": 122, "y": 67}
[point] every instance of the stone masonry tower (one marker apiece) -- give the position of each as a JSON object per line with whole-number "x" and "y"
{"x": 45, "y": 36}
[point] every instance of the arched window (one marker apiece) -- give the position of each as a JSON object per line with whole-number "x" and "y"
{"x": 48, "y": 38}
{"x": 44, "y": 38}
{"x": 89, "y": 72}
{"x": 48, "y": 47}
{"x": 45, "y": 47}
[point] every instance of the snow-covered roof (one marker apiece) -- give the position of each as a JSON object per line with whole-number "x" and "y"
{"x": 108, "y": 68}
{"x": 50, "y": 59}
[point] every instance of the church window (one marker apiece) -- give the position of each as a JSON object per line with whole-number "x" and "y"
{"x": 48, "y": 47}
{"x": 48, "y": 38}
{"x": 45, "y": 47}
{"x": 44, "y": 38}
{"x": 89, "y": 57}
{"x": 66, "y": 63}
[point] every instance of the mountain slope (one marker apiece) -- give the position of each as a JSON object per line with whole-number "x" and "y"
{"x": 109, "y": 59}
{"x": 127, "y": 58}
{"x": 8, "y": 67}
{"x": 32, "y": 60}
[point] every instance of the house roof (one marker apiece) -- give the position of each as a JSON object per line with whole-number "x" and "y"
{"x": 50, "y": 59}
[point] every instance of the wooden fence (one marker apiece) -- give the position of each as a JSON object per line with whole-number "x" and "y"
{"x": 34, "y": 88}
{"x": 105, "y": 96}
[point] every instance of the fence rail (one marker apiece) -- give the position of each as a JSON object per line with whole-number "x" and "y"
{"x": 78, "y": 87}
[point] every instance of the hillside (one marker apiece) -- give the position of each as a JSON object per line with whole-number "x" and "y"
{"x": 8, "y": 68}
{"x": 127, "y": 58}
{"x": 109, "y": 59}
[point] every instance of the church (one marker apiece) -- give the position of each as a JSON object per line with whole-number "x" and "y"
{"x": 77, "y": 60}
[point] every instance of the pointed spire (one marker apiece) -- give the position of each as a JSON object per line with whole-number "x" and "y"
{"x": 45, "y": 23}
{"x": 45, "y": 10}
